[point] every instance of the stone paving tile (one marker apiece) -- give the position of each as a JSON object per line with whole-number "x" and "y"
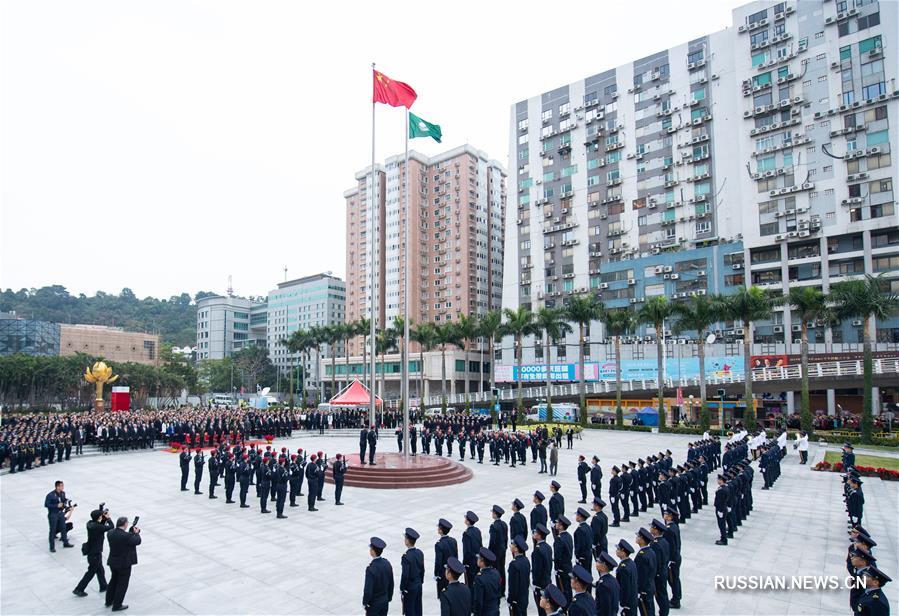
{"x": 200, "y": 556}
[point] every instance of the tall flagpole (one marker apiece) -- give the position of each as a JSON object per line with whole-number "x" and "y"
{"x": 405, "y": 353}
{"x": 371, "y": 261}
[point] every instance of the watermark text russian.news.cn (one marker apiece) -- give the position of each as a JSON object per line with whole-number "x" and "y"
{"x": 788, "y": 582}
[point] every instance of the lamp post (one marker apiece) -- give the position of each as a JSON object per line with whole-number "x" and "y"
{"x": 690, "y": 398}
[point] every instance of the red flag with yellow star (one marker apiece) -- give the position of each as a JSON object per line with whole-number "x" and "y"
{"x": 391, "y": 92}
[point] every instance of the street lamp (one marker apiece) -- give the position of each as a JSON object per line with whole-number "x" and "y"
{"x": 690, "y": 398}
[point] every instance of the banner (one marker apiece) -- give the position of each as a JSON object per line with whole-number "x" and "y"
{"x": 631, "y": 370}
{"x": 120, "y": 398}
{"x": 769, "y": 361}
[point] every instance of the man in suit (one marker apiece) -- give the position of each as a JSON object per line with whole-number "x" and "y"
{"x": 372, "y": 444}
{"x": 122, "y": 556}
{"x": 378, "y": 591}
{"x": 97, "y": 528}
{"x": 55, "y": 502}
{"x": 413, "y": 574}
{"x": 363, "y": 443}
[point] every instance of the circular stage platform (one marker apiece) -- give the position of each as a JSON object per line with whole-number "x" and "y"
{"x": 393, "y": 471}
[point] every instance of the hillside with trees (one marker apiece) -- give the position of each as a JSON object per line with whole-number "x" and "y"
{"x": 174, "y": 319}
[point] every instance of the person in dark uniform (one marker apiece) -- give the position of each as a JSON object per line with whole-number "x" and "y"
{"x": 672, "y": 533}
{"x": 872, "y": 602}
{"x": 518, "y": 525}
{"x": 378, "y": 591}
{"x": 311, "y": 483}
{"x": 230, "y": 478}
{"x": 647, "y": 568}
{"x": 372, "y": 444}
{"x": 721, "y": 503}
{"x": 614, "y": 490}
{"x": 412, "y": 575}
{"x": 486, "y": 592}
{"x": 363, "y": 443}
{"x": 184, "y": 461}
{"x": 556, "y": 504}
{"x": 455, "y": 598}
{"x": 626, "y": 574}
{"x": 599, "y": 526}
{"x": 295, "y": 474}
{"x": 498, "y": 544}
{"x": 55, "y": 502}
{"x": 213, "y": 465}
{"x": 596, "y": 478}
{"x": 607, "y": 591}
{"x": 541, "y": 563}
{"x": 265, "y": 486}
{"x": 552, "y": 601}
{"x": 563, "y": 552}
{"x": 280, "y": 484}
{"x": 97, "y": 528}
{"x": 855, "y": 500}
{"x": 519, "y": 578}
{"x": 472, "y": 542}
{"x": 199, "y": 463}
{"x": 122, "y": 556}
{"x": 582, "y": 603}
{"x": 244, "y": 473}
{"x": 539, "y": 514}
{"x": 339, "y": 473}
{"x": 663, "y": 556}
{"x": 445, "y": 547}
{"x": 583, "y": 470}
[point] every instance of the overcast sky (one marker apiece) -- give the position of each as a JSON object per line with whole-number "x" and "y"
{"x": 163, "y": 145}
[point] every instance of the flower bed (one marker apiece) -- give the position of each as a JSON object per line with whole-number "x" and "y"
{"x": 865, "y": 471}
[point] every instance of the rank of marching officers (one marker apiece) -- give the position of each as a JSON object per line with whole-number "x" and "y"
{"x": 277, "y": 476}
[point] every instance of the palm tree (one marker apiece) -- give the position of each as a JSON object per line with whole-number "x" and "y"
{"x": 519, "y": 323}
{"x": 319, "y": 336}
{"x": 332, "y": 335}
{"x": 618, "y": 323}
{"x": 447, "y": 333}
{"x": 363, "y": 328}
{"x": 490, "y": 327}
{"x": 654, "y": 312}
{"x": 550, "y": 321}
{"x": 697, "y": 315}
{"x": 385, "y": 340}
{"x": 299, "y": 341}
{"x": 425, "y": 334}
{"x": 399, "y": 331}
{"x": 746, "y": 306}
{"x": 867, "y": 298}
{"x": 808, "y": 304}
{"x": 467, "y": 329}
{"x": 348, "y": 330}
{"x": 583, "y": 310}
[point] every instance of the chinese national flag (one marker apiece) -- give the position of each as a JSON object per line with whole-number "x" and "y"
{"x": 391, "y": 92}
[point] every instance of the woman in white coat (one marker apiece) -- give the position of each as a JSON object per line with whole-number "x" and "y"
{"x": 802, "y": 446}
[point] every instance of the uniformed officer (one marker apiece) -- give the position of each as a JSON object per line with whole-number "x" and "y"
{"x": 372, "y": 444}
{"x": 230, "y": 478}
{"x": 720, "y": 503}
{"x": 498, "y": 544}
{"x": 647, "y": 569}
{"x": 265, "y": 485}
{"x": 673, "y": 535}
{"x": 472, "y": 542}
{"x": 412, "y": 574}
{"x": 614, "y": 491}
{"x": 445, "y": 547}
{"x": 607, "y": 592}
{"x": 873, "y": 602}
{"x": 339, "y": 473}
{"x": 199, "y": 463}
{"x": 556, "y": 504}
{"x": 599, "y": 526}
{"x": 363, "y": 443}
{"x": 280, "y": 480}
{"x": 455, "y": 598}
{"x": 378, "y": 591}
{"x": 583, "y": 539}
{"x": 663, "y": 556}
{"x": 583, "y": 469}
{"x": 552, "y": 601}
{"x": 244, "y": 473}
{"x": 518, "y": 525}
{"x": 563, "y": 551}
{"x": 539, "y": 514}
{"x": 183, "y": 460}
{"x": 311, "y": 483}
{"x": 626, "y": 574}
{"x": 541, "y": 563}
{"x": 582, "y": 603}
{"x": 855, "y": 500}
{"x": 519, "y": 578}
{"x": 213, "y": 472}
{"x": 486, "y": 592}
{"x": 596, "y": 478}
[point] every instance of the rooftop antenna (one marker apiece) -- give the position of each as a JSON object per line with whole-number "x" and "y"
{"x": 230, "y": 287}
{"x": 285, "y": 273}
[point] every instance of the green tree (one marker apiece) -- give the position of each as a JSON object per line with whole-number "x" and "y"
{"x": 550, "y": 321}
{"x": 618, "y": 323}
{"x": 447, "y": 334}
{"x": 808, "y": 304}
{"x": 655, "y": 312}
{"x": 385, "y": 340}
{"x": 698, "y": 315}
{"x": 299, "y": 342}
{"x": 425, "y": 334}
{"x": 746, "y": 306}
{"x": 363, "y": 328}
{"x": 399, "y": 332}
{"x": 866, "y": 299}
{"x": 467, "y": 330}
{"x": 583, "y": 310}
{"x": 490, "y": 327}
{"x": 257, "y": 369}
{"x": 519, "y": 323}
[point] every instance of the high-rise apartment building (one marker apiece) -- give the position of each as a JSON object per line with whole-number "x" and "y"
{"x": 757, "y": 155}
{"x": 301, "y": 304}
{"x": 456, "y": 205}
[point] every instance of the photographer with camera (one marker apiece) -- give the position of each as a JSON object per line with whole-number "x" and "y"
{"x": 97, "y": 528}
{"x": 122, "y": 556}
{"x": 58, "y": 506}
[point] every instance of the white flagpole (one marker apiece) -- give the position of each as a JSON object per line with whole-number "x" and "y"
{"x": 371, "y": 264}
{"x": 406, "y": 247}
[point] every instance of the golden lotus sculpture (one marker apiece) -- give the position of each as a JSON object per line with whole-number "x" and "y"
{"x": 99, "y": 374}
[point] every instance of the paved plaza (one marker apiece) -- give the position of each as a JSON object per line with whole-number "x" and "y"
{"x": 201, "y": 556}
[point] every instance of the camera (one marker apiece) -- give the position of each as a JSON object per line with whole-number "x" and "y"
{"x": 134, "y": 523}
{"x": 68, "y": 505}
{"x": 103, "y": 508}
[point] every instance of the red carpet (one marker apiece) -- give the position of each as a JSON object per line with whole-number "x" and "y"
{"x": 207, "y": 448}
